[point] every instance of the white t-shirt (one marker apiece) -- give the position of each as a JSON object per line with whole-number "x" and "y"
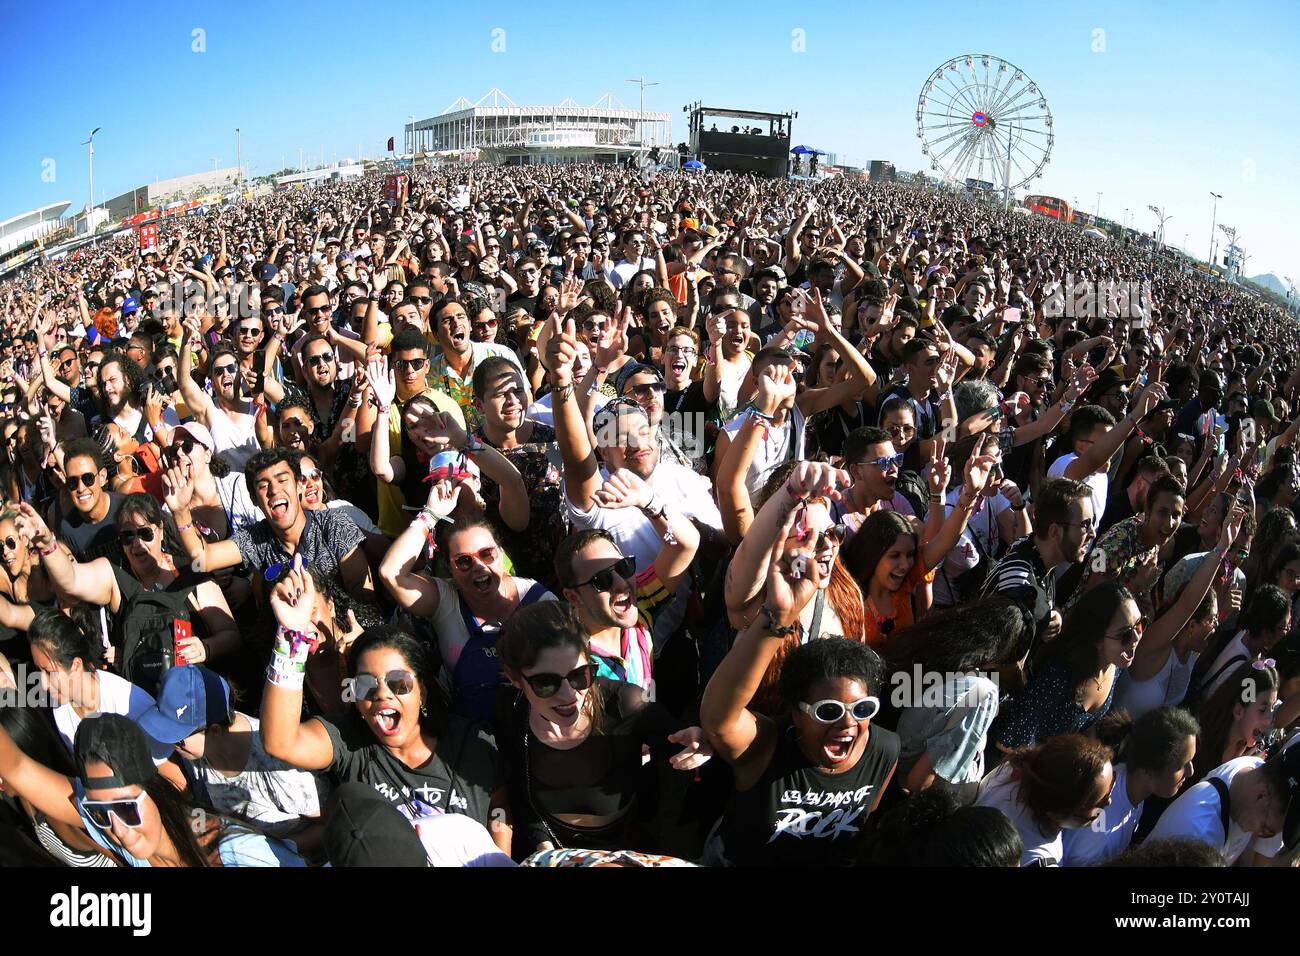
{"x": 234, "y": 441}
{"x": 117, "y": 695}
{"x": 1099, "y": 483}
{"x": 1110, "y": 834}
{"x": 356, "y": 514}
{"x": 1198, "y": 814}
{"x": 1000, "y": 791}
{"x": 681, "y": 490}
{"x": 626, "y": 270}
{"x": 541, "y": 411}
{"x": 981, "y": 536}
{"x": 453, "y": 839}
{"x": 449, "y": 624}
{"x": 267, "y": 790}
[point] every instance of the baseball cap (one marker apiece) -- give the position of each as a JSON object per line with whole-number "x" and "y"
{"x": 117, "y": 741}
{"x": 1263, "y": 408}
{"x": 266, "y": 272}
{"x": 190, "y": 698}
{"x": 199, "y": 433}
{"x": 130, "y": 307}
{"x": 367, "y": 830}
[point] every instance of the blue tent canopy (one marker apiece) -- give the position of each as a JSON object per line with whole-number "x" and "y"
{"x": 807, "y": 151}
{"x": 692, "y": 164}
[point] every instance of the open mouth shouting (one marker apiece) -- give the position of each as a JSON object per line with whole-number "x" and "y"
{"x": 387, "y": 721}
{"x": 278, "y": 506}
{"x": 837, "y": 749}
{"x": 311, "y": 496}
{"x": 485, "y": 582}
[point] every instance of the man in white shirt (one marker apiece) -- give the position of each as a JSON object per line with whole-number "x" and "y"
{"x": 1246, "y": 801}
{"x": 1094, "y": 439}
{"x": 634, "y": 259}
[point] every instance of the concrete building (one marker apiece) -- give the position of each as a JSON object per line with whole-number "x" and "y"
{"x": 498, "y": 130}
{"x": 170, "y": 190}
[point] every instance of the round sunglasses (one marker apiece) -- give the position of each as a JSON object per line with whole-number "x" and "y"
{"x": 548, "y": 685}
{"x": 832, "y": 711}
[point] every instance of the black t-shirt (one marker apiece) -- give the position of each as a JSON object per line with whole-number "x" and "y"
{"x": 89, "y": 541}
{"x": 692, "y": 422}
{"x": 459, "y": 778}
{"x": 796, "y": 815}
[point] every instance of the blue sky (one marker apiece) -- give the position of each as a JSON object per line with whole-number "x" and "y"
{"x": 1186, "y": 97}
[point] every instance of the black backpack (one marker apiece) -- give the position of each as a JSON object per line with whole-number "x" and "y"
{"x": 148, "y": 642}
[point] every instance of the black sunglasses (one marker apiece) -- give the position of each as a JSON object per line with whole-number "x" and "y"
{"x": 128, "y": 535}
{"x": 548, "y": 685}
{"x": 603, "y": 580}
{"x": 88, "y": 479}
{"x": 409, "y": 365}
{"x": 316, "y": 361}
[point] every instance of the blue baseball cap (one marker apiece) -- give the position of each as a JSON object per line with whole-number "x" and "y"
{"x": 130, "y": 307}
{"x": 191, "y": 698}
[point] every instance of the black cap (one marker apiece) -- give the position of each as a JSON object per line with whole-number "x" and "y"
{"x": 634, "y": 368}
{"x": 367, "y": 830}
{"x": 119, "y": 742}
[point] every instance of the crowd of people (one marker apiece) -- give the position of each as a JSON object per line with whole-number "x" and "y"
{"x": 596, "y": 516}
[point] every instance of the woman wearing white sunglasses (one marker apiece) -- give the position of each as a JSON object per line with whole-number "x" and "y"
{"x": 805, "y": 782}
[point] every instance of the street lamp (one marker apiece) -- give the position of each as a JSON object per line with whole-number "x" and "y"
{"x": 1160, "y": 215}
{"x": 1213, "y": 213}
{"x": 90, "y": 141}
{"x": 640, "y": 119}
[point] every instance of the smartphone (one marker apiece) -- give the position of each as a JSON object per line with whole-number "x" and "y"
{"x": 182, "y": 630}
{"x": 1011, "y": 315}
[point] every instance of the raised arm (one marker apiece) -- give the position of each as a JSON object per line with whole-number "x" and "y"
{"x": 204, "y": 555}
{"x": 383, "y": 384}
{"x": 1101, "y": 451}
{"x": 680, "y": 539}
{"x": 284, "y": 735}
{"x": 978, "y": 469}
{"x": 581, "y": 473}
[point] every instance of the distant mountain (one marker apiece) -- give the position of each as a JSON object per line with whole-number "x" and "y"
{"x": 1270, "y": 282}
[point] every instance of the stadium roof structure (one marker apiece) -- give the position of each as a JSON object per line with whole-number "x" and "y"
{"x": 51, "y": 213}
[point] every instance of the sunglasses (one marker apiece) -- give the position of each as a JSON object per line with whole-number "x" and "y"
{"x": 548, "y": 685}
{"x": 366, "y": 686}
{"x": 835, "y": 534}
{"x": 9, "y": 544}
{"x": 88, "y": 479}
{"x": 409, "y": 365}
{"x": 92, "y": 366}
{"x": 317, "y": 309}
{"x": 128, "y": 535}
{"x": 603, "y": 580}
{"x": 317, "y": 361}
{"x": 421, "y": 299}
{"x": 311, "y": 474}
{"x": 271, "y": 313}
{"x": 486, "y": 324}
{"x": 102, "y": 812}
{"x": 889, "y": 463}
{"x": 1129, "y": 637}
{"x": 250, "y": 331}
{"x": 67, "y": 364}
{"x": 649, "y": 389}
{"x": 463, "y": 562}
{"x": 832, "y": 711}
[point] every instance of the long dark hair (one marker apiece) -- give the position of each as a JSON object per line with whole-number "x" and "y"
{"x": 33, "y": 733}
{"x": 64, "y": 641}
{"x": 876, "y": 536}
{"x": 1078, "y": 648}
{"x": 541, "y": 627}
{"x": 977, "y": 636}
{"x": 1244, "y": 685}
{"x": 141, "y": 505}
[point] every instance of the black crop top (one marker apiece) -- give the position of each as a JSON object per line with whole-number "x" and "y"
{"x": 599, "y": 777}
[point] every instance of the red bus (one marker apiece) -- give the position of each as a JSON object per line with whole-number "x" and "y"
{"x": 1050, "y": 206}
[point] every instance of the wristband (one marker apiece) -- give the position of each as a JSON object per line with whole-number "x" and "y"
{"x": 46, "y": 552}
{"x": 1019, "y": 507}
{"x": 182, "y": 528}
{"x": 773, "y": 628}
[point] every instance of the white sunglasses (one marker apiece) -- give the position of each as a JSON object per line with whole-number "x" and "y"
{"x": 832, "y": 711}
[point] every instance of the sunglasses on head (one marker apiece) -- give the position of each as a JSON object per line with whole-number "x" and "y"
{"x": 548, "y": 685}
{"x": 366, "y": 686}
{"x": 464, "y": 562}
{"x": 832, "y": 711}
{"x": 128, "y": 535}
{"x": 603, "y": 580}
{"x": 88, "y": 479}
{"x": 102, "y": 812}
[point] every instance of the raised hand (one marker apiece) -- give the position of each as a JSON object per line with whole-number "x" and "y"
{"x": 792, "y": 579}
{"x": 179, "y": 490}
{"x": 613, "y": 350}
{"x": 775, "y": 386}
{"x": 32, "y": 526}
{"x": 561, "y": 350}
{"x": 816, "y": 479}
{"x": 980, "y": 466}
{"x": 570, "y": 294}
{"x": 293, "y": 599}
{"x": 382, "y": 381}
{"x": 1080, "y": 382}
{"x": 695, "y": 752}
{"x": 623, "y": 490}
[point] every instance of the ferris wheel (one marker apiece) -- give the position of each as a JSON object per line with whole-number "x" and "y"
{"x": 981, "y": 118}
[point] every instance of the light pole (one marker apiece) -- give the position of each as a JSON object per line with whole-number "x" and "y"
{"x": 1213, "y": 213}
{"x": 640, "y": 118}
{"x": 1160, "y": 215}
{"x": 90, "y": 141}
{"x": 1098, "y": 213}
{"x": 1231, "y": 233}
{"x": 239, "y": 158}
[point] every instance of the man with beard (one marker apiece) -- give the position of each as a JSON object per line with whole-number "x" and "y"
{"x": 62, "y": 377}
{"x": 327, "y": 390}
{"x": 90, "y": 529}
{"x": 625, "y": 441}
{"x": 452, "y": 370}
{"x": 317, "y": 316}
{"x": 617, "y": 605}
{"x": 328, "y": 540}
{"x": 121, "y": 385}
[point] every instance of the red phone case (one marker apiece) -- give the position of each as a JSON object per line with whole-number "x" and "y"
{"x": 181, "y": 630}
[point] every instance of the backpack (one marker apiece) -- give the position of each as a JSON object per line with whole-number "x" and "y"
{"x": 913, "y": 487}
{"x": 147, "y": 629}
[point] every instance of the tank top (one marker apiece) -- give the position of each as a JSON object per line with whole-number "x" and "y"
{"x": 1168, "y": 687}
{"x": 235, "y": 443}
{"x": 795, "y": 815}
